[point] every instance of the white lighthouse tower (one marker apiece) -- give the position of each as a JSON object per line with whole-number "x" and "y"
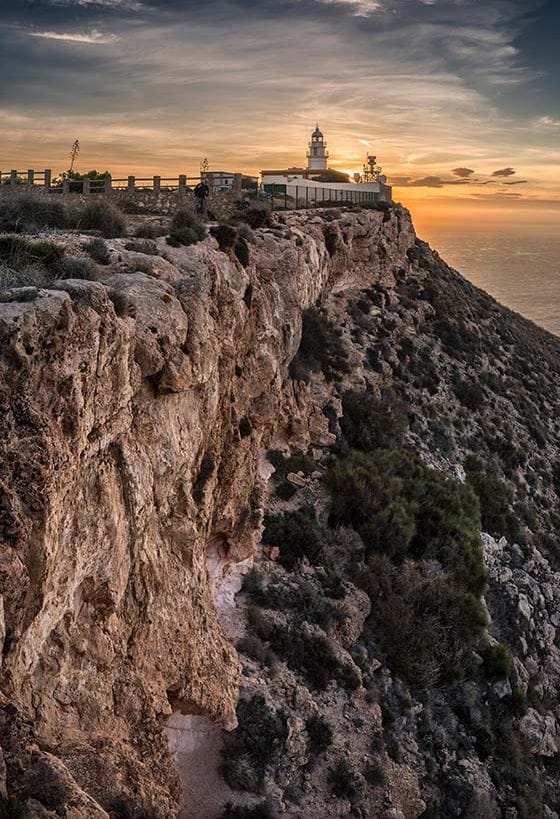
{"x": 317, "y": 156}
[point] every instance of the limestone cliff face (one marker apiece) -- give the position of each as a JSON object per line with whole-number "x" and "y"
{"x": 135, "y": 413}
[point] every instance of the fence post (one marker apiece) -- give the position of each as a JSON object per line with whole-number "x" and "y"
{"x": 157, "y": 183}
{"x": 131, "y": 184}
{"x": 30, "y": 176}
{"x": 86, "y": 186}
{"x": 182, "y": 183}
{"x": 297, "y": 196}
{"x": 48, "y": 177}
{"x": 13, "y": 177}
{"x": 237, "y": 182}
{"x": 306, "y": 196}
{"x": 66, "y": 186}
{"x": 108, "y": 184}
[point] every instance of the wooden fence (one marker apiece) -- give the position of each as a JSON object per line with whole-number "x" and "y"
{"x": 44, "y": 179}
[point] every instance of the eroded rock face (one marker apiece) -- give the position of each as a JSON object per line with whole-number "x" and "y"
{"x": 134, "y": 416}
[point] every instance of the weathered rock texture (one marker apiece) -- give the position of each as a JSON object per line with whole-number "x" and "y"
{"x": 134, "y": 414}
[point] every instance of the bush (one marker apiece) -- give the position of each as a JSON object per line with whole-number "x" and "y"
{"x": 321, "y": 348}
{"x": 241, "y": 251}
{"x": 320, "y": 734}
{"x": 256, "y": 744}
{"x": 426, "y": 625}
{"x": 261, "y": 811}
{"x": 18, "y": 253}
{"x": 343, "y": 779}
{"x": 145, "y": 246}
{"x": 332, "y": 239}
{"x": 257, "y": 217}
{"x": 471, "y": 395}
{"x": 401, "y": 508}
{"x": 314, "y": 656}
{"x": 98, "y": 251}
{"x": 496, "y": 500}
{"x": 297, "y": 535}
{"x": 104, "y": 217}
{"x": 185, "y": 219}
{"x": 31, "y": 214}
{"x": 72, "y": 268}
{"x": 149, "y": 230}
{"x": 225, "y": 235}
{"x": 496, "y": 661}
{"x": 254, "y": 647}
{"x": 369, "y": 423}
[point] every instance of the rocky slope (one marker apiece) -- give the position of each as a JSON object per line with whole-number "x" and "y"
{"x": 151, "y": 418}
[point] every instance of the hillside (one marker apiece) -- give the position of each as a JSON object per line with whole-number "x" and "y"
{"x": 246, "y": 487}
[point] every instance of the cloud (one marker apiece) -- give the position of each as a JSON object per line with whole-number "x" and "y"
{"x": 118, "y": 5}
{"x": 94, "y": 37}
{"x": 360, "y": 8}
{"x": 464, "y": 173}
{"x": 504, "y": 172}
{"x": 548, "y": 122}
{"x": 425, "y": 182}
{"x": 497, "y": 197}
{"x": 517, "y": 182}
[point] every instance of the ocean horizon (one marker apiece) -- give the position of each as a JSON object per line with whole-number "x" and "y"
{"x": 518, "y": 265}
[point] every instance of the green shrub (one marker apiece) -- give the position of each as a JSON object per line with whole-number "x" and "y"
{"x": 98, "y": 251}
{"x": 369, "y": 423}
{"x": 255, "y": 745}
{"x": 320, "y": 734}
{"x": 145, "y": 246}
{"x": 426, "y": 625}
{"x": 253, "y": 647}
{"x": 186, "y": 228}
{"x": 321, "y": 348}
{"x": 242, "y": 253}
{"x": 343, "y": 779}
{"x": 332, "y": 239}
{"x": 261, "y": 811}
{"x": 496, "y": 661}
{"x": 471, "y": 395}
{"x": 73, "y": 268}
{"x": 104, "y": 217}
{"x": 314, "y": 656}
{"x": 401, "y": 508}
{"x": 18, "y": 253}
{"x": 257, "y": 217}
{"x": 496, "y": 500}
{"x": 225, "y": 235}
{"x": 297, "y": 535}
{"x": 149, "y": 230}
{"x": 31, "y": 214}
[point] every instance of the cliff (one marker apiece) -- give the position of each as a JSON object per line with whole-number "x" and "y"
{"x": 137, "y": 414}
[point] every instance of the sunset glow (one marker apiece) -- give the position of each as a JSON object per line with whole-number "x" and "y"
{"x": 458, "y": 100}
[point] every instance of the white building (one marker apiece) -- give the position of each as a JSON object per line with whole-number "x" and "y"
{"x": 300, "y": 185}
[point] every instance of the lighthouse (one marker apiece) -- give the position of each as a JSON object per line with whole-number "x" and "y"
{"x": 317, "y": 155}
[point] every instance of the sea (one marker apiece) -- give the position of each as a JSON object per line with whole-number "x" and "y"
{"x": 519, "y": 266}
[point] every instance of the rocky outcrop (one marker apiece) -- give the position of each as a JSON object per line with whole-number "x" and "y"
{"x": 134, "y": 415}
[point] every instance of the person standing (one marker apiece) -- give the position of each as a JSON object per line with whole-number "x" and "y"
{"x": 201, "y": 194}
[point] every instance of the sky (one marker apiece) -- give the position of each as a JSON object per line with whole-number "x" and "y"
{"x": 459, "y": 99}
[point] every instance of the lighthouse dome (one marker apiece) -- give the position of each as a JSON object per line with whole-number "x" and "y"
{"x": 317, "y": 132}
